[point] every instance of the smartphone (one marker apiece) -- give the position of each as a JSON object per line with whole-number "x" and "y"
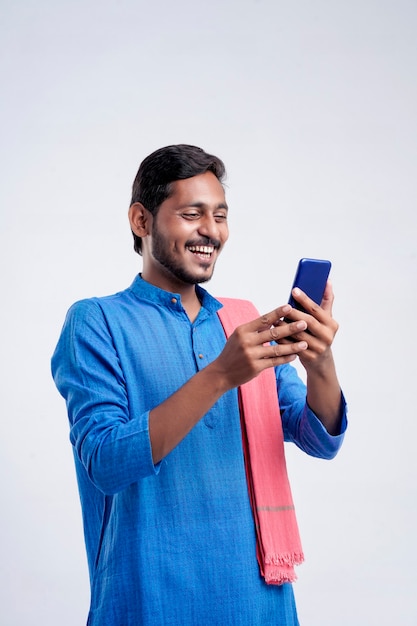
{"x": 311, "y": 277}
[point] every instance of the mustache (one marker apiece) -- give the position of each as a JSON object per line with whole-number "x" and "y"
{"x": 204, "y": 241}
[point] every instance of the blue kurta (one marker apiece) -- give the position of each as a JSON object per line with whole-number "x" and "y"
{"x": 171, "y": 543}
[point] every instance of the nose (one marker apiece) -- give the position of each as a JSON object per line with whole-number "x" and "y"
{"x": 209, "y": 227}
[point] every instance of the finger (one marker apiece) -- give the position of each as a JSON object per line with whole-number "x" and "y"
{"x": 310, "y": 307}
{"x": 281, "y": 331}
{"x": 318, "y": 335}
{"x": 279, "y": 351}
{"x": 266, "y": 321}
{"x": 328, "y": 298}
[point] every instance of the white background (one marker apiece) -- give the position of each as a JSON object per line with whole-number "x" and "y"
{"x": 312, "y": 106}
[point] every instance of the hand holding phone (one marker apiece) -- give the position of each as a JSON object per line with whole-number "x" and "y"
{"x": 311, "y": 277}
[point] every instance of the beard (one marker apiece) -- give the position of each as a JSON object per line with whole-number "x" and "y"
{"x": 162, "y": 254}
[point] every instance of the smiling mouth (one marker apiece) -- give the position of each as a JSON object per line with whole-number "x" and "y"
{"x": 204, "y": 252}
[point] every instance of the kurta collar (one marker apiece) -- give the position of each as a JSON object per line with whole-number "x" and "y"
{"x": 146, "y": 291}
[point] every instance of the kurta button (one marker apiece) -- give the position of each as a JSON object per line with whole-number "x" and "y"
{"x": 174, "y": 300}
{"x": 201, "y": 356}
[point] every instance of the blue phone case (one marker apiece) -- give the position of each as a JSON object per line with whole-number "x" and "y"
{"x": 311, "y": 277}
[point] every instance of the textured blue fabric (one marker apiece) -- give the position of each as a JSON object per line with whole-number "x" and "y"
{"x": 172, "y": 543}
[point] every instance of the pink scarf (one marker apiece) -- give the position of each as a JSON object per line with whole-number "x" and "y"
{"x": 278, "y": 546}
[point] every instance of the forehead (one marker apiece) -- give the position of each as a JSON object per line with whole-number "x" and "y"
{"x": 202, "y": 189}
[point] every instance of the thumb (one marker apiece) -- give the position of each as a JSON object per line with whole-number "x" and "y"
{"x": 328, "y": 298}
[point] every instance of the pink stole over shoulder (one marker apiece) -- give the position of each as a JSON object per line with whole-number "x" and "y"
{"x": 278, "y": 545}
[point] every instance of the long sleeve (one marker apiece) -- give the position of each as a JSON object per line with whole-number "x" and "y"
{"x": 300, "y": 424}
{"x": 112, "y": 445}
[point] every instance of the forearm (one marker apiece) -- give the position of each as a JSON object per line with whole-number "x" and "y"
{"x": 324, "y": 395}
{"x": 173, "y": 419}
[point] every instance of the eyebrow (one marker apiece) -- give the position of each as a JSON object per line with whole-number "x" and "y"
{"x": 203, "y": 205}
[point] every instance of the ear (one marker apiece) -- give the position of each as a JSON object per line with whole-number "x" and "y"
{"x": 140, "y": 219}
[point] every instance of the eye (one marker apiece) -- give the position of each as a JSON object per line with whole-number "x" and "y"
{"x": 220, "y": 217}
{"x": 191, "y": 215}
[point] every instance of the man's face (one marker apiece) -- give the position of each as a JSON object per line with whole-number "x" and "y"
{"x": 188, "y": 233}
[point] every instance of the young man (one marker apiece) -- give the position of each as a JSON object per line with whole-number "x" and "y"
{"x": 151, "y": 386}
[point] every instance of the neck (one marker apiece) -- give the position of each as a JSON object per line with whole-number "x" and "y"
{"x": 188, "y": 294}
{"x": 192, "y": 306}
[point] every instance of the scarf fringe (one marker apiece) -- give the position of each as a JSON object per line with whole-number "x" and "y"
{"x": 280, "y": 577}
{"x": 284, "y": 559}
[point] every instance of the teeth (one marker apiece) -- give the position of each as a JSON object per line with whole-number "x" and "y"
{"x": 201, "y": 249}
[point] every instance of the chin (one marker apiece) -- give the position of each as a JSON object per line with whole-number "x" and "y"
{"x": 203, "y": 279}
{"x": 198, "y": 277}
{"x": 205, "y": 275}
